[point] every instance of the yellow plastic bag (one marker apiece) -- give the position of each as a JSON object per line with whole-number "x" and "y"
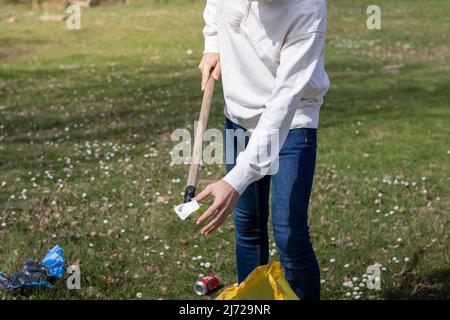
{"x": 263, "y": 283}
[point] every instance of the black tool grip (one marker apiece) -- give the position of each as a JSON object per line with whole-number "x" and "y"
{"x": 189, "y": 193}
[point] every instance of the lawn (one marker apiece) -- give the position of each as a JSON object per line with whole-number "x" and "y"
{"x": 85, "y": 123}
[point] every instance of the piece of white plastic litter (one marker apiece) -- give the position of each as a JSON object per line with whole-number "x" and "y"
{"x": 184, "y": 210}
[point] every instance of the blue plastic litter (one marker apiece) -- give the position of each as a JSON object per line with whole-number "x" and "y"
{"x": 54, "y": 261}
{"x": 36, "y": 274}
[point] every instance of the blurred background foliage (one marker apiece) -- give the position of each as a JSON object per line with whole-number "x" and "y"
{"x": 63, "y": 3}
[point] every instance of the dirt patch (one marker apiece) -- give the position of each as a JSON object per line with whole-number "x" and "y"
{"x": 379, "y": 133}
{"x": 5, "y": 54}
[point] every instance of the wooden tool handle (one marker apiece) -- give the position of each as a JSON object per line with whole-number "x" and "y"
{"x": 197, "y": 150}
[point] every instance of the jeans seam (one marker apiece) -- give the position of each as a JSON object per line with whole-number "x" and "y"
{"x": 258, "y": 221}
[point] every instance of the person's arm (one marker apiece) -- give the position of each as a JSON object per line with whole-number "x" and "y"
{"x": 210, "y": 29}
{"x": 299, "y": 58}
{"x": 210, "y": 59}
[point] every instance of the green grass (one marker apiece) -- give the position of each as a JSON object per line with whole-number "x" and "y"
{"x": 85, "y": 124}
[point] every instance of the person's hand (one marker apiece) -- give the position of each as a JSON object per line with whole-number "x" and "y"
{"x": 210, "y": 61}
{"x": 225, "y": 200}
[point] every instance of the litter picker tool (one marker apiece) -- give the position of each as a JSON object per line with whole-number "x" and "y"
{"x": 188, "y": 206}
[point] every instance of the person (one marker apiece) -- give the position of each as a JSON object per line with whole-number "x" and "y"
{"x": 270, "y": 55}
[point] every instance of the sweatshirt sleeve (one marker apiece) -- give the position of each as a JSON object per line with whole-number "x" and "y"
{"x": 299, "y": 58}
{"x": 210, "y": 29}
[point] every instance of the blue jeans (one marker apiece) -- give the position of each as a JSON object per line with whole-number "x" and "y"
{"x": 291, "y": 190}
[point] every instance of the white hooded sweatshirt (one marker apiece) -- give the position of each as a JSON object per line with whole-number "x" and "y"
{"x": 271, "y": 53}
